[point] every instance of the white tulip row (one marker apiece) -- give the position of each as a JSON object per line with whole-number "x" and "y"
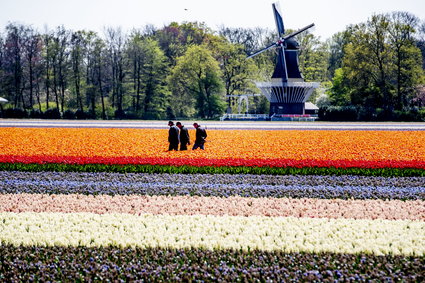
{"x": 290, "y": 234}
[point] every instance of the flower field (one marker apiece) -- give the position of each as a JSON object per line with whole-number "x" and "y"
{"x": 113, "y": 204}
{"x": 256, "y": 148}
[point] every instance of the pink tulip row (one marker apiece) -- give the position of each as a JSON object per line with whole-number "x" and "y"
{"x": 232, "y": 206}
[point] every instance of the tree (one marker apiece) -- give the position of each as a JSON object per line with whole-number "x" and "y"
{"x": 13, "y": 65}
{"x": 2, "y": 76}
{"x": 381, "y": 64}
{"x": 60, "y": 65}
{"x": 148, "y": 70}
{"x": 31, "y": 46}
{"x": 115, "y": 45}
{"x": 77, "y": 55}
{"x": 48, "y": 62}
{"x": 197, "y": 76}
{"x": 336, "y": 47}
{"x": 154, "y": 73}
{"x": 419, "y": 99}
{"x": 238, "y": 72}
{"x": 134, "y": 54}
{"x": 175, "y": 38}
{"x": 313, "y": 57}
{"x": 367, "y": 63}
{"x": 401, "y": 31}
{"x": 94, "y": 57}
{"x": 421, "y": 42}
{"x": 251, "y": 39}
{"x": 99, "y": 66}
{"x": 339, "y": 94}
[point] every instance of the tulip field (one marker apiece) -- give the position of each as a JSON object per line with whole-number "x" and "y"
{"x": 98, "y": 204}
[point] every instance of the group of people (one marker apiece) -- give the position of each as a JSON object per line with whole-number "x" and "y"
{"x": 179, "y": 134}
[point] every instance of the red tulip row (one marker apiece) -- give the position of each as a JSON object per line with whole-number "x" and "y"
{"x": 200, "y": 162}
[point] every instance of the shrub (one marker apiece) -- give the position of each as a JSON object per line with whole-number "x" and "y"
{"x": 119, "y": 114}
{"x": 52, "y": 113}
{"x": 338, "y": 113}
{"x": 150, "y": 115}
{"x": 131, "y": 115}
{"x": 367, "y": 114}
{"x": 410, "y": 115}
{"x": 15, "y": 113}
{"x": 69, "y": 114}
{"x": 82, "y": 115}
{"x": 422, "y": 115}
{"x": 109, "y": 113}
{"x": 35, "y": 113}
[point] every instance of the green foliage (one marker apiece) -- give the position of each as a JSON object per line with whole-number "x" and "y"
{"x": 52, "y": 114}
{"x": 238, "y": 73}
{"x": 260, "y": 105}
{"x": 338, "y": 113}
{"x": 365, "y": 113}
{"x": 60, "y": 167}
{"x": 14, "y": 113}
{"x": 185, "y": 70}
{"x": 336, "y": 47}
{"x": 195, "y": 83}
{"x": 175, "y": 38}
{"x": 381, "y": 64}
{"x": 313, "y": 58}
{"x": 339, "y": 93}
{"x": 148, "y": 73}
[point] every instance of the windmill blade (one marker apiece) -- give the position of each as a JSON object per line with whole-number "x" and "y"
{"x": 262, "y": 50}
{"x": 298, "y": 32}
{"x": 278, "y": 19}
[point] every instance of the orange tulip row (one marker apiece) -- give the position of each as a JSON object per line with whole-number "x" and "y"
{"x": 359, "y": 146}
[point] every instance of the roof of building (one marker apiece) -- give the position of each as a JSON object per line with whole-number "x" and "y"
{"x": 310, "y": 106}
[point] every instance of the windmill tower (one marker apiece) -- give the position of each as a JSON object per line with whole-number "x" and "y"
{"x": 287, "y": 91}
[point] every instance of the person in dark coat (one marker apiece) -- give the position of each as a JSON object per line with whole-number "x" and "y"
{"x": 201, "y": 135}
{"x": 173, "y": 136}
{"x": 184, "y": 136}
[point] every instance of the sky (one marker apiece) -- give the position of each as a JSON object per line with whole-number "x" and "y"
{"x": 329, "y": 16}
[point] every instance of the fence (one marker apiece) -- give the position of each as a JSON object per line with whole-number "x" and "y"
{"x": 242, "y": 117}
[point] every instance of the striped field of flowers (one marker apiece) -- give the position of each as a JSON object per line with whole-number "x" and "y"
{"x": 62, "y": 223}
{"x": 225, "y": 148}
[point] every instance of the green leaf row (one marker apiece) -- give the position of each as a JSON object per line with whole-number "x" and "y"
{"x": 130, "y": 168}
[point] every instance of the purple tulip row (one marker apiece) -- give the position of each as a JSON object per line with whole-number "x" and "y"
{"x": 221, "y": 185}
{"x": 113, "y": 264}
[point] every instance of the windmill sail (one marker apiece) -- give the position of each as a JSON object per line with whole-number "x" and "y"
{"x": 278, "y": 19}
{"x": 280, "y": 70}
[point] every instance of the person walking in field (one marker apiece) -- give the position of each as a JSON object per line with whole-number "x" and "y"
{"x": 184, "y": 136}
{"x": 173, "y": 136}
{"x": 201, "y": 135}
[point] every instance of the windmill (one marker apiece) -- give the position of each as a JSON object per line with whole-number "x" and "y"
{"x": 287, "y": 91}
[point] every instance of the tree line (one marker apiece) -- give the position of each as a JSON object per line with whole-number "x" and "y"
{"x": 186, "y": 70}
{"x": 380, "y": 67}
